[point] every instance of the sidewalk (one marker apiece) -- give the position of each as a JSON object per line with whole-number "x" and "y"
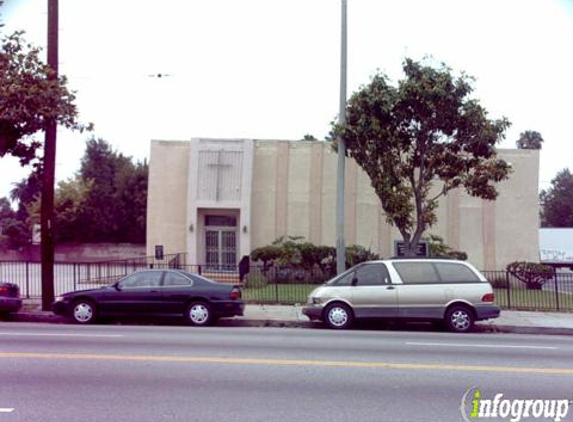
{"x": 520, "y": 322}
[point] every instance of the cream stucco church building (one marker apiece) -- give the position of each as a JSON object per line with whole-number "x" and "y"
{"x": 218, "y": 199}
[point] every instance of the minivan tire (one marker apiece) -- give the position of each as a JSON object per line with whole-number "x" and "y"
{"x": 459, "y": 319}
{"x": 338, "y": 316}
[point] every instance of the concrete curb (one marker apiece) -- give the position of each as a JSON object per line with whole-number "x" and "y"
{"x": 48, "y": 317}
{"x": 511, "y": 329}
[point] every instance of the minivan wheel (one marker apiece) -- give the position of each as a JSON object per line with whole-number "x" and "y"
{"x": 459, "y": 319}
{"x": 199, "y": 313}
{"x": 338, "y": 316}
{"x": 84, "y": 311}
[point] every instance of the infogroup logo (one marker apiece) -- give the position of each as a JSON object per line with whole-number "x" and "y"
{"x": 475, "y": 407}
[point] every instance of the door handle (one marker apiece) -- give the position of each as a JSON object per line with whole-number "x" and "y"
{"x": 390, "y": 288}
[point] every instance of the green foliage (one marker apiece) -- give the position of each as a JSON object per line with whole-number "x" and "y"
{"x": 529, "y": 139}
{"x": 6, "y": 210}
{"x": 438, "y": 249}
{"x": 557, "y": 201}
{"x": 105, "y": 202}
{"x": 266, "y": 254}
{"x": 255, "y": 281}
{"x": 114, "y": 209}
{"x": 423, "y": 131}
{"x": 17, "y": 227}
{"x": 69, "y": 205}
{"x": 534, "y": 275}
{"x": 26, "y": 192}
{"x": 355, "y": 254}
{"x": 296, "y": 260}
{"x": 30, "y": 98}
{"x": 309, "y": 137}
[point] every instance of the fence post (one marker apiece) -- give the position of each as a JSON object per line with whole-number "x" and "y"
{"x": 556, "y": 287}
{"x": 276, "y": 286}
{"x": 27, "y": 280}
{"x": 508, "y": 289}
{"x": 74, "y": 277}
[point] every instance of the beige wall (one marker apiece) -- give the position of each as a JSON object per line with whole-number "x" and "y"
{"x": 166, "y": 196}
{"x": 293, "y": 192}
{"x": 492, "y": 233}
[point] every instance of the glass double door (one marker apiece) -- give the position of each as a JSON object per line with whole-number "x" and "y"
{"x": 221, "y": 248}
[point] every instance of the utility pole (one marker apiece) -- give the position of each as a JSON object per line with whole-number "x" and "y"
{"x": 49, "y": 167}
{"x": 340, "y": 247}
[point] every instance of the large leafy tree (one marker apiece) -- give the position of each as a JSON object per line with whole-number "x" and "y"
{"x": 29, "y": 99}
{"x": 104, "y": 202}
{"x": 557, "y": 201}
{"x": 529, "y": 139}
{"x": 115, "y": 208}
{"x": 424, "y": 131}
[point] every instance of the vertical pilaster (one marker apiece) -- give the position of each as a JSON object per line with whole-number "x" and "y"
{"x": 489, "y": 240}
{"x": 350, "y": 202}
{"x": 316, "y": 161}
{"x": 282, "y": 188}
{"x": 453, "y": 223}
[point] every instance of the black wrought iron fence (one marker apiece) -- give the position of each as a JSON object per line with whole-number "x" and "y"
{"x": 553, "y": 294}
{"x": 72, "y": 276}
{"x": 268, "y": 285}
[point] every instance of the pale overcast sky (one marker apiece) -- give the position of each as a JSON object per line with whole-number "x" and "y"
{"x": 269, "y": 69}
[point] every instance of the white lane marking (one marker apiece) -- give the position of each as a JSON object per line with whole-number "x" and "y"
{"x": 61, "y": 335}
{"x": 6, "y": 409}
{"x": 491, "y": 346}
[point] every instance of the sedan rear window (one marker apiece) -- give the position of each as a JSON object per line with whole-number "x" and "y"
{"x": 174, "y": 279}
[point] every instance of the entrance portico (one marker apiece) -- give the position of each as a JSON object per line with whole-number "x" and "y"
{"x": 218, "y": 201}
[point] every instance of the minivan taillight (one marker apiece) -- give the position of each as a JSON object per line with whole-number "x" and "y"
{"x": 490, "y": 297}
{"x": 235, "y": 293}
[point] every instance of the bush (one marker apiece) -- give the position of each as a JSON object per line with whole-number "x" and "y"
{"x": 355, "y": 254}
{"x": 498, "y": 280}
{"x": 534, "y": 275}
{"x": 292, "y": 260}
{"x": 438, "y": 249}
{"x": 255, "y": 280}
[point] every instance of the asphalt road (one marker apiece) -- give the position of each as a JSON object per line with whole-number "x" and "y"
{"x": 163, "y": 373}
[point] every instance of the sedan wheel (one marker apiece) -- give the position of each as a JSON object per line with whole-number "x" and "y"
{"x": 459, "y": 319}
{"x": 338, "y": 316}
{"x": 84, "y": 312}
{"x": 199, "y": 313}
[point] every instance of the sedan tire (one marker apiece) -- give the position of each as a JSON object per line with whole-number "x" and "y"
{"x": 338, "y": 316}
{"x": 84, "y": 311}
{"x": 199, "y": 313}
{"x": 459, "y": 319}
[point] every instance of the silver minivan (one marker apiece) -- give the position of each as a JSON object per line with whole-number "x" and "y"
{"x": 408, "y": 289}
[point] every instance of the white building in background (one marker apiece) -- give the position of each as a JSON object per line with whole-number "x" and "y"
{"x": 217, "y": 199}
{"x": 556, "y": 246}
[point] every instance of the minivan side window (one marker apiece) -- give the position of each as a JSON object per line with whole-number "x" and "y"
{"x": 417, "y": 272}
{"x": 456, "y": 273}
{"x": 372, "y": 275}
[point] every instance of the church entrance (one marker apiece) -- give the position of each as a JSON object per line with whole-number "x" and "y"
{"x": 221, "y": 243}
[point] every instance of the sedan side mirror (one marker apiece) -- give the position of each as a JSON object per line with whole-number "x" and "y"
{"x": 117, "y": 286}
{"x": 354, "y": 281}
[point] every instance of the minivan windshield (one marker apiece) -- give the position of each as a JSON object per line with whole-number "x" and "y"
{"x": 340, "y": 276}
